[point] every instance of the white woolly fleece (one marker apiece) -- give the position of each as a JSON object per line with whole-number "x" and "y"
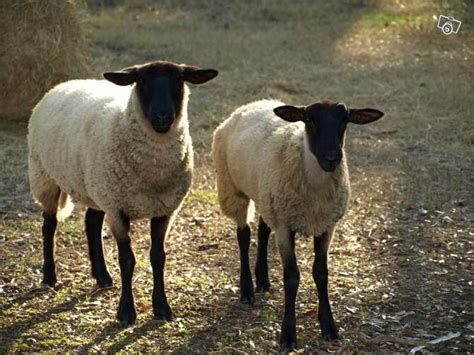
{"x": 261, "y": 157}
{"x": 90, "y": 140}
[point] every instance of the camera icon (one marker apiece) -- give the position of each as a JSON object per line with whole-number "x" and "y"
{"x": 448, "y": 25}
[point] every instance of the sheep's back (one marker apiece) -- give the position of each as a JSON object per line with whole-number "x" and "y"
{"x": 254, "y": 138}
{"x": 67, "y": 128}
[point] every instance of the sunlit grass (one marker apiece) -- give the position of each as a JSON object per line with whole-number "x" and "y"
{"x": 380, "y": 20}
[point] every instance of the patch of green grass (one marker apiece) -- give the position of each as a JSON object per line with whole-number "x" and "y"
{"x": 222, "y": 279}
{"x": 202, "y": 195}
{"x": 26, "y": 224}
{"x": 202, "y": 282}
{"x": 269, "y": 315}
{"x": 142, "y": 261}
{"x": 373, "y": 298}
{"x": 363, "y": 313}
{"x": 383, "y": 19}
{"x": 63, "y": 293}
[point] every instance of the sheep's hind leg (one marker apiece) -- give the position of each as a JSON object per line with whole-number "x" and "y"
{"x": 261, "y": 266}
{"x": 235, "y": 204}
{"x": 49, "y": 198}
{"x": 320, "y": 275}
{"x": 120, "y": 226}
{"x": 246, "y": 284}
{"x": 49, "y": 267}
{"x": 159, "y": 228}
{"x": 291, "y": 278}
{"x": 94, "y": 220}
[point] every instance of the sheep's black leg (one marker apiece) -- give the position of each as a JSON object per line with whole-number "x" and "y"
{"x": 320, "y": 274}
{"x": 94, "y": 220}
{"x": 159, "y": 227}
{"x": 246, "y": 284}
{"x": 126, "y": 311}
{"x": 49, "y": 268}
{"x": 261, "y": 267}
{"x": 291, "y": 277}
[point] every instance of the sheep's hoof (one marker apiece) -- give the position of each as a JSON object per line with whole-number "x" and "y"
{"x": 49, "y": 279}
{"x": 246, "y": 293}
{"x": 247, "y": 298}
{"x": 288, "y": 336}
{"x": 49, "y": 283}
{"x": 104, "y": 281}
{"x": 163, "y": 313}
{"x": 126, "y": 314}
{"x": 329, "y": 331}
{"x": 104, "y": 285}
{"x": 287, "y": 342}
{"x": 264, "y": 287}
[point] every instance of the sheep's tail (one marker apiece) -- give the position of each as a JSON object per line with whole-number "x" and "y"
{"x": 251, "y": 212}
{"x": 65, "y": 206}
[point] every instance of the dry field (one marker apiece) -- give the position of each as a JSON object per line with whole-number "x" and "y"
{"x": 401, "y": 266}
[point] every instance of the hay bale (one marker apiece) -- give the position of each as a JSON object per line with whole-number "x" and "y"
{"x": 41, "y": 44}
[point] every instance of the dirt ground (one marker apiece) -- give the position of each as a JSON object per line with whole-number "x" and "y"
{"x": 401, "y": 263}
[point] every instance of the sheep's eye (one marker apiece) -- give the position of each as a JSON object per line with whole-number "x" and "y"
{"x": 308, "y": 120}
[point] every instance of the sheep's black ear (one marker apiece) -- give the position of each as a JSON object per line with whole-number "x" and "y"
{"x": 290, "y": 113}
{"x": 364, "y": 116}
{"x": 195, "y": 75}
{"x": 122, "y": 78}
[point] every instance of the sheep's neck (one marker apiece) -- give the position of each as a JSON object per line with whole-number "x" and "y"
{"x": 315, "y": 176}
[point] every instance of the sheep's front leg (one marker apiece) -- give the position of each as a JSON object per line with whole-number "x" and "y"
{"x": 94, "y": 221}
{"x": 320, "y": 275}
{"x": 291, "y": 277}
{"x": 246, "y": 284}
{"x": 49, "y": 267}
{"x": 159, "y": 227}
{"x": 120, "y": 227}
{"x": 261, "y": 266}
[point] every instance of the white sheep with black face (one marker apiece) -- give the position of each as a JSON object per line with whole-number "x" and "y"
{"x": 290, "y": 162}
{"x": 120, "y": 150}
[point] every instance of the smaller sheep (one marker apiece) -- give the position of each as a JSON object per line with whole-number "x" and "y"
{"x": 122, "y": 151}
{"x": 290, "y": 162}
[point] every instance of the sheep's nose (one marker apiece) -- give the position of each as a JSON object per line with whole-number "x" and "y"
{"x": 162, "y": 115}
{"x": 331, "y": 156}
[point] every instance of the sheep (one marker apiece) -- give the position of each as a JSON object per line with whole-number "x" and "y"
{"x": 290, "y": 162}
{"x": 122, "y": 151}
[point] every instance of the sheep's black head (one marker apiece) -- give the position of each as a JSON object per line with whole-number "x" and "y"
{"x": 325, "y": 125}
{"x": 160, "y": 88}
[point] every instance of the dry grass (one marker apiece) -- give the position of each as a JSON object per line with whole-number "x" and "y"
{"x": 401, "y": 267}
{"x": 42, "y": 45}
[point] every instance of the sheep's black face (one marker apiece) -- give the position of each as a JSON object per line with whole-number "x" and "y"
{"x": 325, "y": 124}
{"x": 160, "y": 87}
{"x": 160, "y": 90}
{"x": 325, "y": 128}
